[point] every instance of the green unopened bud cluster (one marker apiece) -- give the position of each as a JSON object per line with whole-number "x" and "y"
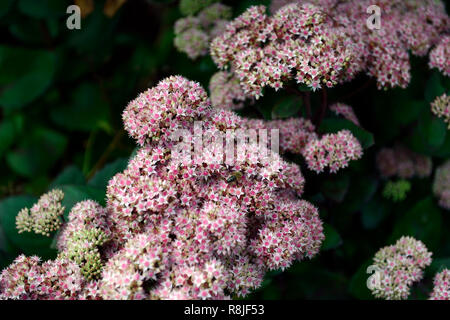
{"x": 397, "y": 191}
{"x": 44, "y": 217}
{"x": 82, "y": 248}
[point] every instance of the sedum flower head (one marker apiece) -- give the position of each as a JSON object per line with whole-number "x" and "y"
{"x": 184, "y": 229}
{"x": 439, "y": 56}
{"x": 441, "y": 185}
{"x": 397, "y": 191}
{"x": 346, "y": 111}
{"x": 334, "y": 151}
{"x": 193, "y": 34}
{"x": 441, "y": 290}
{"x": 402, "y": 162}
{"x": 28, "y": 278}
{"x": 162, "y": 110}
{"x": 43, "y": 217}
{"x": 399, "y": 266}
{"x": 269, "y": 51}
{"x": 441, "y": 108}
{"x": 226, "y": 91}
{"x": 294, "y": 133}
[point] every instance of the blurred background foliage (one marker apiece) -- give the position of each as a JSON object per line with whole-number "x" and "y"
{"x": 62, "y": 93}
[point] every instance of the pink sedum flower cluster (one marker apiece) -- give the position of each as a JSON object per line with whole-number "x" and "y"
{"x": 441, "y": 290}
{"x": 440, "y": 56}
{"x": 398, "y": 267}
{"x": 226, "y": 92}
{"x": 441, "y": 108}
{"x": 27, "y": 278}
{"x": 174, "y": 229}
{"x": 346, "y": 111}
{"x": 194, "y": 33}
{"x": 294, "y": 133}
{"x": 200, "y": 223}
{"x": 402, "y": 162}
{"x": 441, "y": 185}
{"x": 333, "y": 151}
{"x": 269, "y": 51}
{"x": 411, "y": 25}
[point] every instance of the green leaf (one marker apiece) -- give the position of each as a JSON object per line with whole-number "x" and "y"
{"x": 5, "y": 5}
{"x": 336, "y": 187}
{"x": 332, "y": 125}
{"x": 7, "y": 135}
{"x": 28, "y": 242}
{"x": 375, "y": 211}
{"x": 358, "y": 284}
{"x": 436, "y": 133}
{"x": 44, "y": 8}
{"x": 25, "y": 75}
{"x": 422, "y": 222}
{"x": 434, "y": 87}
{"x": 77, "y": 193}
{"x": 101, "y": 178}
{"x": 286, "y": 108}
{"x": 361, "y": 190}
{"x": 70, "y": 175}
{"x": 37, "y": 152}
{"x": 86, "y": 111}
{"x": 437, "y": 265}
{"x": 332, "y": 238}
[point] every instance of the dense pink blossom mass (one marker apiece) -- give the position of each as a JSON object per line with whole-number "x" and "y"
{"x": 402, "y": 162}
{"x": 320, "y": 43}
{"x": 441, "y": 290}
{"x": 333, "y": 151}
{"x": 441, "y": 185}
{"x": 175, "y": 230}
{"x": 440, "y": 56}
{"x": 398, "y": 266}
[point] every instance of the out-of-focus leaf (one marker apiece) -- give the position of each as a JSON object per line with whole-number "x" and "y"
{"x": 27, "y": 30}
{"x": 5, "y": 5}
{"x": 37, "y": 152}
{"x": 336, "y": 187}
{"x": 286, "y": 108}
{"x": 434, "y": 87}
{"x": 70, "y": 175}
{"x": 437, "y": 265}
{"x": 101, "y": 178}
{"x": 28, "y": 242}
{"x": 7, "y": 134}
{"x": 361, "y": 190}
{"x": 374, "y": 212}
{"x": 44, "y": 8}
{"x": 335, "y": 125}
{"x": 25, "y": 75}
{"x": 423, "y": 222}
{"x": 86, "y": 111}
{"x": 332, "y": 237}
{"x": 77, "y": 193}
{"x": 358, "y": 284}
